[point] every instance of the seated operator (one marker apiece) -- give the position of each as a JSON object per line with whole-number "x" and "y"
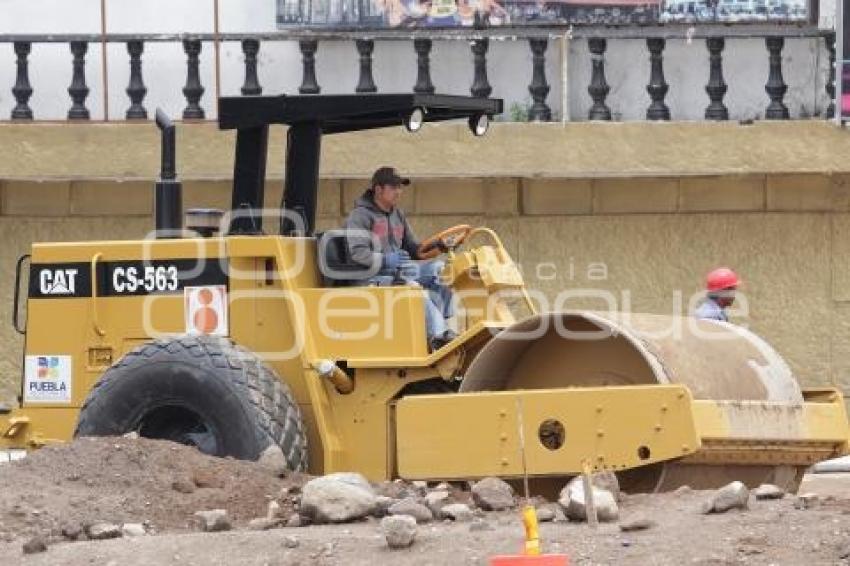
{"x": 380, "y": 239}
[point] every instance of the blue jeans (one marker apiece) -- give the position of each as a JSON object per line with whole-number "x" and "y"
{"x": 438, "y": 305}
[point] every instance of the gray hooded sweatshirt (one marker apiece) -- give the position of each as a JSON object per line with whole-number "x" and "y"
{"x": 373, "y": 232}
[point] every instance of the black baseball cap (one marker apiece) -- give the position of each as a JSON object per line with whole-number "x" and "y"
{"x": 388, "y": 176}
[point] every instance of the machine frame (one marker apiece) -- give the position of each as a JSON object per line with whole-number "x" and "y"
{"x": 385, "y": 406}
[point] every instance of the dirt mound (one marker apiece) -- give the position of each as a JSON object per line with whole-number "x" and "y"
{"x": 129, "y": 480}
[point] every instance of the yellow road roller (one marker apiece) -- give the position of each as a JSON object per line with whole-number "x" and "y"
{"x": 236, "y": 330}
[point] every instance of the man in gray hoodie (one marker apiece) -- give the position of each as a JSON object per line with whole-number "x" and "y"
{"x": 380, "y": 239}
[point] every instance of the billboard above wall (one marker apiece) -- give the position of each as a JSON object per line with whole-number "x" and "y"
{"x": 733, "y": 11}
{"x": 446, "y": 14}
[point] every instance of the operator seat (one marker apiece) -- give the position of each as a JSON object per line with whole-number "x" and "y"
{"x": 335, "y": 263}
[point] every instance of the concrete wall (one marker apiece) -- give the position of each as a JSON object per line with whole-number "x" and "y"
{"x": 805, "y": 63}
{"x": 771, "y": 200}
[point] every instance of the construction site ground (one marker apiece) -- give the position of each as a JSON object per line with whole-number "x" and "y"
{"x": 124, "y": 480}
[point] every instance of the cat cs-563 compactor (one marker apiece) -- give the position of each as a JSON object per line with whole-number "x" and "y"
{"x": 236, "y": 338}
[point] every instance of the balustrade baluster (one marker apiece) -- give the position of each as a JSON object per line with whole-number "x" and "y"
{"x": 309, "y": 84}
{"x": 423, "y": 66}
{"x": 657, "y": 87}
{"x": 480, "y": 86}
{"x": 716, "y": 87}
{"x": 136, "y": 89}
{"x": 22, "y": 89}
{"x": 775, "y": 87}
{"x": 598, "y": 88}
{"x": 830, "y": 83}
{"x": 251, "y": 86}
{"x": 193, "y": 91}
{"x": 78, "y": 89}
{"x": 539, "y": 88}
{"x": 366, "y": 83}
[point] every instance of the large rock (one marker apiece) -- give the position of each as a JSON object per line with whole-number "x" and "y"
{"x": 337, "y": 498}
{"x": 608, "y": 481}
{"x": 350, "y": 478}
{"x": 397, "y": 489}
{"x": 133, "y": 530}
{"x": 213, "y": 520}
{"x": 399, "y": 530}
{"x": 768, "y": 491}
{"x": 72, "y": 531}
{"x": 731, "y": 496}
{"x": 382, "y": 506}
{"x": 545, "y": 514}
{"x": 435, "y": 500}
{"x": 493, "y": 494}
{"x": 456, "y": 512}
{"x": 102, "y": 531}
{"x": 571, "y": 499}
{"x": 273, "y": 460}
{"x": 412, "y": 508}
{"x": 34, "y": 545}
{"x": 831, "y": 466}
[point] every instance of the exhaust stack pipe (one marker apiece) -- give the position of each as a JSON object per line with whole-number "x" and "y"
{"x": 168, "y": 199}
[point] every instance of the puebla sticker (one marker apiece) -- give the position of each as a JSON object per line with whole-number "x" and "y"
{"x": 47, "y": 379}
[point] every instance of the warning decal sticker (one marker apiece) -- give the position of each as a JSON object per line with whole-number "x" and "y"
{"x": 206, "y": 310}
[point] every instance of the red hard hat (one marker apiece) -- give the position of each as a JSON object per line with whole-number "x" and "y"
{"x": 721, "y": 278}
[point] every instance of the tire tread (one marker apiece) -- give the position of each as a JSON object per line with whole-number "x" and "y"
{"x": 277, "y": 413}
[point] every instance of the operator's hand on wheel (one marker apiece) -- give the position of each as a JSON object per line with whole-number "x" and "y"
{"x": 443, "y": 242}
{"x": 392, "y": 260}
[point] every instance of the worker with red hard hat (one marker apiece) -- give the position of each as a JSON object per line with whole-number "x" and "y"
{"x": 720, "y": 285}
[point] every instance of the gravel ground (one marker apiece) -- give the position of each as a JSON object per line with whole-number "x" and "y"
{"x": 38, "y": 495}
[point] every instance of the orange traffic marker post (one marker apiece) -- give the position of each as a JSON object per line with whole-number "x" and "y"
{"x": 532, "y": 530}
{"x": 531, "y": 555}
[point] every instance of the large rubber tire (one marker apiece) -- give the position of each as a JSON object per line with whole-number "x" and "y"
{"x": 199, "y": 390}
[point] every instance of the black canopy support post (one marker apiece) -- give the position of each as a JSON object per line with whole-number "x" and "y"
{"x": 168, "y": 196}
{"x": 249, "y": 180}
{"x": 300, "y": 191}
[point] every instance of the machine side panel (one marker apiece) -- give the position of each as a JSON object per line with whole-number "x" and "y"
{"x": 478, "y": 434}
